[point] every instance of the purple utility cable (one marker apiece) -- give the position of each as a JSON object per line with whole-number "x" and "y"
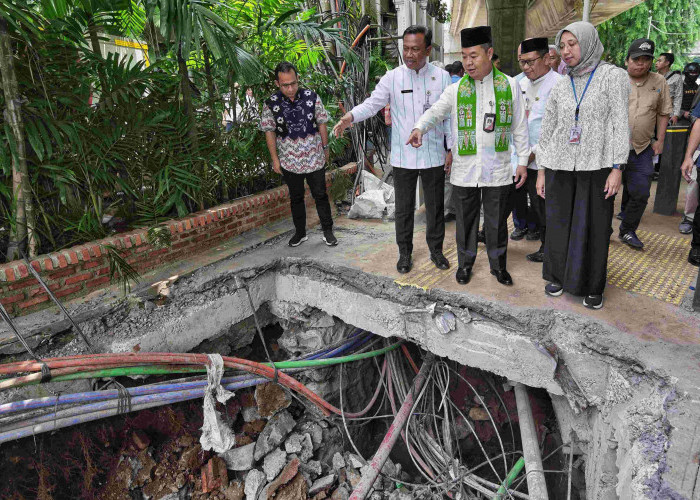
{"x": 52, "y": 422}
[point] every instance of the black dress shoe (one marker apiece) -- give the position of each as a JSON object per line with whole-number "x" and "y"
{"x": 464, "y": 274}
{"x": 404, "y": 264}
{"x": 537, "y": 256}
{"x": 439, "y": 260}
{"x": 518, "y": 234}
{"x": 533, "y": 235}
{"x": 481, "y": 236}
{"x": 694, "y": 256}
{"x": 503, "y": 277}
{"x": 449, "y": 217}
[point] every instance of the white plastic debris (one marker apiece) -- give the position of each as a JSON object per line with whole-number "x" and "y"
{"x": 369, "y": 205}
{"x": 376, "y": 200}
{"x": 216, "y": 434}
{"x": 371, "y": 182}
{"x": 446, "y": 322}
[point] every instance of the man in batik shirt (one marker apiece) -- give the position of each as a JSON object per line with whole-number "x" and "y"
{"x": 294, "y": 121}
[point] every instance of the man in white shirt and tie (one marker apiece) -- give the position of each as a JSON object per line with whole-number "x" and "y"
{"x": 489, "y": 111}
{"x": 411, "y": 89}
{"x": 533, "y": 58}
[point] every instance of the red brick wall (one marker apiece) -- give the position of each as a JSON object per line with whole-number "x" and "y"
{"x": 81, "y": 269}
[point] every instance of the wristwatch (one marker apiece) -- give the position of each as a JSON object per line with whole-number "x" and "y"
{"x": 619, "y": 166}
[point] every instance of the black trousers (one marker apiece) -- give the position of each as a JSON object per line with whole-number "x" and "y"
{"x": 579, "y": 225}
{"x": 521, "y": 214}
{"x": 317, "y": 185}
{"x": 537, "y": 212}
{"x": 405, "y": 182}
{"x": 497, "y": 205}
{"x": 636, "y": 182}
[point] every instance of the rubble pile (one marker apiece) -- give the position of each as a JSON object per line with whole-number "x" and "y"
{"x": 281, "y": 452}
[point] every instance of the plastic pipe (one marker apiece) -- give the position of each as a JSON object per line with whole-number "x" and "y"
{"x": 536, "y": 486}
{"x": 375, "y": 466}
{"x": 510, "y": 478}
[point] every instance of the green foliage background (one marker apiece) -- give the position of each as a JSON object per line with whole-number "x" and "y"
{"x": 153, "y": 146}
{"x": 670, "y": 16}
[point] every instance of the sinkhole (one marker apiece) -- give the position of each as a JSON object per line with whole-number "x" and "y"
{"x": 491, "y": 370}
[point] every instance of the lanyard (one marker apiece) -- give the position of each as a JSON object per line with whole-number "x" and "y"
{"x": 573, "y": 86}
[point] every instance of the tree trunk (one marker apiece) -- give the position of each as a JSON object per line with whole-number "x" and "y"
{"x": 186, "y": 91}
{"x": 188, "y": 106}
{"x": 234, "y": 95}
{"x": 24, "y": 213}
{"x": 210, "y": 88}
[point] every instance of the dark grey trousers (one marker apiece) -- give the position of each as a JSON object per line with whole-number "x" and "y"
{"x": 497, "y": 205}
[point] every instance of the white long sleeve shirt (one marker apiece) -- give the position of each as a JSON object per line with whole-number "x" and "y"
{"x": 487, "y": 167}
{"x": 536, "y": 95}
{"x": 409, "y": 92}
{"x": 603, "y": 118}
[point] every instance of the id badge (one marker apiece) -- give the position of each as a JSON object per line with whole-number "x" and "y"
{"x": 575, "y": 135}
{"x": 489, "y": 122}
{"x": 426, "y": 107}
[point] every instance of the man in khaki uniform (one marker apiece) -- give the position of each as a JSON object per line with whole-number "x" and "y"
{"x": 650, "y": 107}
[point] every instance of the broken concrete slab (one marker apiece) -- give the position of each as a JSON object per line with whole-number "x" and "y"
{"x": 287, "y": 474}
{"x": 338, "y": 461}
{"x": 274, "y": 462}
{"x": 274, "y": 433}
{"x": 254, "y": 483}
{"x": 293, "y": 443}
{"x": 401, "y": 494}
{"x": 307, "y": 448}
{"x": 354, "y": 460}
{"x": 313, "y": 468}
{"x": 241, "y": 458}
{"x": 341, "y": 493}
{"x": 323, "y": 484}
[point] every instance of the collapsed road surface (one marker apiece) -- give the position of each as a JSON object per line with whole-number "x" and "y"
{"x": 624, "y": 389}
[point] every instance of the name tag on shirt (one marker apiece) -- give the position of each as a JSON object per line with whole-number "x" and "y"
{"x": 409, "y": 91}
{"x": 489, "y": 122}
{"x": 575, "y": 135}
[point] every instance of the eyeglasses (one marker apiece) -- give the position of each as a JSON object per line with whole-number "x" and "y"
{"x": 289, "y": 85}
{"x": 524, "y": 63}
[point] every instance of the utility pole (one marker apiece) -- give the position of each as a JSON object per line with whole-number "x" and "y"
{"x": 586, "y": 10}
{"x": 649, "y": 28}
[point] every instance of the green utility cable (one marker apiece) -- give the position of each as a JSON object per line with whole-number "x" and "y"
{"x": 336, "y": 361}
{"x": 164, "y": 370}
{"x": 510, "y": 478}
